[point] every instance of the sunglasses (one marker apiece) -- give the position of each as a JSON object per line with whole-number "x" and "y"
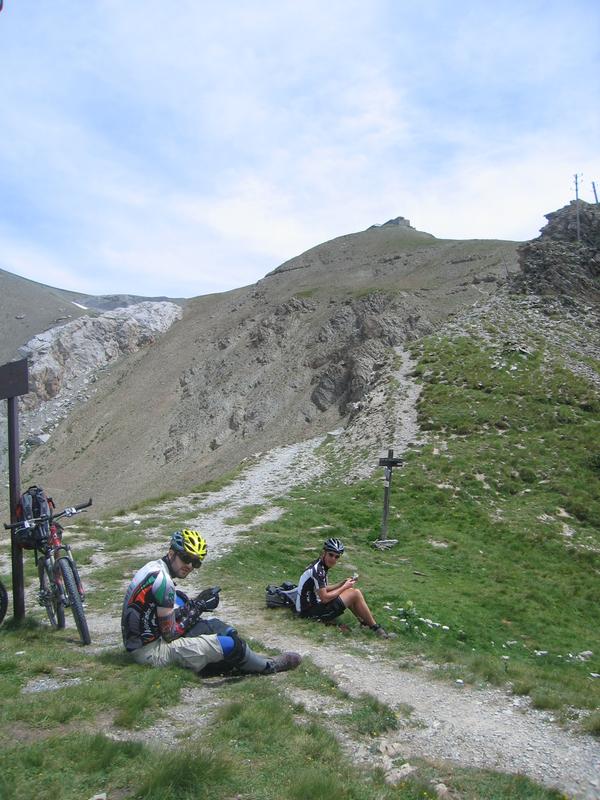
{"x": 188, "y": 559}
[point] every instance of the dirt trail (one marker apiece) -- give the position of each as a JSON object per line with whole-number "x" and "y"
{"x": 470, "y": 727}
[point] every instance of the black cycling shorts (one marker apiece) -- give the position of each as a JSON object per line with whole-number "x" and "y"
{"x": 325, "y": 611}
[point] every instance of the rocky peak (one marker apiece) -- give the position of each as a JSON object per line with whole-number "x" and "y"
{"x": 71, "y": 353}
{"x": 564, "y": 261}
{"x": 562, "y": 224}
{"x": 397, "y": 222}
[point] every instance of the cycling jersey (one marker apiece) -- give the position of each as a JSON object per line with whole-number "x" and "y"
{"x": 150, "y": 588}
{"x": 312, "y": 579}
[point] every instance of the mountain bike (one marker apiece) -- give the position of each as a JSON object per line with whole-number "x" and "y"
{"x": 60, "y": 583}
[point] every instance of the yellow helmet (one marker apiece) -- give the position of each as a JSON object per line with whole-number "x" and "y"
{"x": 190, "y": 543}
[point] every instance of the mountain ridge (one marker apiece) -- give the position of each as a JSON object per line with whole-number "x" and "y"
{"x": 288, "y": 358}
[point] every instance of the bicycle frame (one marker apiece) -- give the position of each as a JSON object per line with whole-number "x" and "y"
{"x": 54, "y": 549}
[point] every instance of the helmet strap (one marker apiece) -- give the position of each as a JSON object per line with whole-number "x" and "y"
{"x": 167, "y": 560}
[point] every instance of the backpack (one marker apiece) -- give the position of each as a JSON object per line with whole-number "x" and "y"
{"x": 33, "y": 503}
{"x": 283, "y": 596}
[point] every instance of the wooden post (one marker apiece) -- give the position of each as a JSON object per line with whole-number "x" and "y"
{"x": 389, "y": 463}
{"x": 14, "y": 381}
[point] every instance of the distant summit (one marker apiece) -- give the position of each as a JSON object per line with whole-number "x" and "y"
{"x": 400, "y": 222}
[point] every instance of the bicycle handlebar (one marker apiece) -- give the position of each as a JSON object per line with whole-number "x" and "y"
{"x": 31, "y": 523}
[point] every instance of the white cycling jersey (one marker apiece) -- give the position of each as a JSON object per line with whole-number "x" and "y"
{"x": 151, "y": 587}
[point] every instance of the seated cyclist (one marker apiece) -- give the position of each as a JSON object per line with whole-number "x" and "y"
{"x": 316, "y": 599}
{"x": 158, "y": 632}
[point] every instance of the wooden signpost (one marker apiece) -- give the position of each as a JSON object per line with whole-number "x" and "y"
{"x": 389, "y": 463}
{"x": 14, "y": 382}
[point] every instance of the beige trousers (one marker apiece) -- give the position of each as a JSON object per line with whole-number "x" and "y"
{"x": 193, "y": 652}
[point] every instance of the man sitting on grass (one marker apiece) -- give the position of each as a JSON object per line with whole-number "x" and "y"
{"x": 317, "y": 600}
{"x": 156, "y": 632}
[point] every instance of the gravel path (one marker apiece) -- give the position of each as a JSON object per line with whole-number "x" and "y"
{"x": 469, "y": 727}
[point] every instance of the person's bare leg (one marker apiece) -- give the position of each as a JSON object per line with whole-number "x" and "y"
{"x": 355, "y": 602}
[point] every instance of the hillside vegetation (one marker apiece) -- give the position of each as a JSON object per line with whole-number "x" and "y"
{"x": 494, "y": 579}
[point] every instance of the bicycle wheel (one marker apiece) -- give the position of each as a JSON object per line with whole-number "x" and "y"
{"x": 74, "y": 599}
{"x": 50, "y": 596}
{"x": 3, "y": 601}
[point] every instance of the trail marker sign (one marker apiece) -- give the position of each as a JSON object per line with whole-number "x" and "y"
{"x": 389, "y": 463}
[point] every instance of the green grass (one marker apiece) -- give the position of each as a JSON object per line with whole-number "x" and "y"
{"x": 591, "y": 724}
{"x": 495, "y": 578}
{"x": 371, "y": 717}
{"x": 32, "y": 651}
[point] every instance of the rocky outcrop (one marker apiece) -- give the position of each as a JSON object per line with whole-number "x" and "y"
{"x": 564, "y": 261}
{"x": 65, "y": 357}
{"x": 354, "y": 345}
{"x": 66, "y": 362}
{"x": 401, "y": 222}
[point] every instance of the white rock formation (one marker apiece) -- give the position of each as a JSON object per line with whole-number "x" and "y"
{"x": 69, "y": 354}
{"x": 64, "y": 360}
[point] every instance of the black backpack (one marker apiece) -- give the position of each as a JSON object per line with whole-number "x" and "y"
{"x": 283, "y": 596}
{"x": 34, "y": 503}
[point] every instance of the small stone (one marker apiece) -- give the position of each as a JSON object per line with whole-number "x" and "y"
{"x": 397, "y": 775}
{"x": 391, "y": 749}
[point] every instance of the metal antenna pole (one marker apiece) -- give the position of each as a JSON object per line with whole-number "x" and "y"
{"x": 577, "y": 207}
{"x": 595, "y": 192}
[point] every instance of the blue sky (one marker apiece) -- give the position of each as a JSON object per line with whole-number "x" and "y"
{"x": 190, "y": 147}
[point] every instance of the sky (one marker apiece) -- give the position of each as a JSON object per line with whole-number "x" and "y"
{"x": 191, "y": 147}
